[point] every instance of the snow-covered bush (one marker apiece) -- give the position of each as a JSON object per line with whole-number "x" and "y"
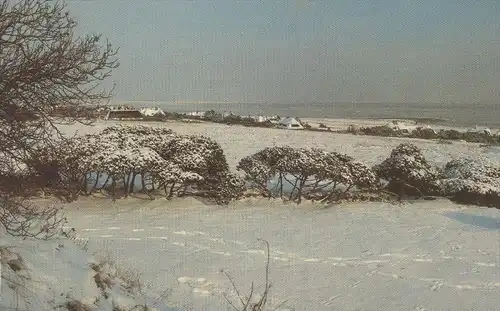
{"x": 425, "y": 133}
{"x": 63, "y": 166}
{"x": 382, "y": 130}
{"x": 130, "y": 157}
{"x": 408, "y": 172}
{"x": 341, "y": 170}
{"x": 311, "y": 173}
{"x": 201, "y": 158}
{"x": 472, "y": 181}
{"x": 231, "y": 187}
{"x": 136, "y": 130}
{"x": 475, "y": 169}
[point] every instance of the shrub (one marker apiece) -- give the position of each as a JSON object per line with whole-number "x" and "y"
{"x": 260, "y": 167}
{"x": 233, "y": 119}
{"x": 311, "y": 173}
{"x": 475, "y": 169}
{"x": 444, "y": 141}
{"x": 62, "y": 167}
{"x": 384, "y": 130}
{"x": 121, "y": 155}
{"x": 231, "y": 187}
{"x": 408, "y": 172}
{"x": 213, "y": 116}
{"x": 136, "y": 130}
{"x": 472, "y": 181}
{"x": 450, "y": 134}
{"x": 425, "y": 133}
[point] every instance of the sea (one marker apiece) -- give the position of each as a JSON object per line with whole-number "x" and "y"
{"x": 446, "y": 114}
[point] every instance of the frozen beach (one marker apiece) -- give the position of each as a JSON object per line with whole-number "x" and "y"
{"x": 428, "y": 255}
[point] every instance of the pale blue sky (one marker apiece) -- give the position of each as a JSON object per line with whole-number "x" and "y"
{"x": 298, "y": 50}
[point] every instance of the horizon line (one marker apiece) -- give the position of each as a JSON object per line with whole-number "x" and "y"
{"x": 201, "y": 102}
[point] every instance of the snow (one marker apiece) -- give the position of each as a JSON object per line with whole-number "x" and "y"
{"x": 239, "y": 141}
{"x": 152, "y": 111}
{"x": 481, "y": 129}
{"x": 493, "y": 152}
{"x": 54, "y": 273}
{"x": 423, "y": 255}
{"x": 368, "y": 256}
{"x": 401, "y": 126}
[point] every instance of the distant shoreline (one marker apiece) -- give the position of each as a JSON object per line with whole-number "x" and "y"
{"x": 456, "y": 115}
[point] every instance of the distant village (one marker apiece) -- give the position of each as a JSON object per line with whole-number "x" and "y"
{"x": 392, "y": 128}
{"x": 155, "y": 113}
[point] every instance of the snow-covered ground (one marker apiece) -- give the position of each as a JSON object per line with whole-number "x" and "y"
{"x": 430, "y": 255}
{"x": 370, "y": 256}
{"x": 57, "y": 274}
{"x": 239, "y": 141}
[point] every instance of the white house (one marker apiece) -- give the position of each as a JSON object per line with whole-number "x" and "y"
{"x": 400, "y": 126}
{"x": 196, "y": 113}
{"x": 152, "y": 112}
{"x": 259, "y": 118}
{"x": 290, "y": 124}
{"x": 226, "y": 114}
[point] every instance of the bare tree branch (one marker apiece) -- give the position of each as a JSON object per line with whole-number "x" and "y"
{"x": 48, "y": 76}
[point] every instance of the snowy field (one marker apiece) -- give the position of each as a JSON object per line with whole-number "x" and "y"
{"x": 239, "y": 141}
{"x": 431, "y": 255}
{"x": 421, "y": 256}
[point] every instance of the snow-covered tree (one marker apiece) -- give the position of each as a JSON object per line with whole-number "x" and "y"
{"x": 473, "y": 181}
{"x": 124, "y": 158}
{"x": 312, "y": 173}
{"x": 44, "y": 67}
{"x": 408, "y": 172}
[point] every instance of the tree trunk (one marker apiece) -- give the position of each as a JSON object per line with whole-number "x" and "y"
{"x": 132, "y": 182}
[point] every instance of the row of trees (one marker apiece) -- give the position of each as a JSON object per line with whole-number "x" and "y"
{"x": 294, "y": 174}
{"x": 44, "y": 66}
{"x": 329, "y": 176}
{"x": 125, "y": 159}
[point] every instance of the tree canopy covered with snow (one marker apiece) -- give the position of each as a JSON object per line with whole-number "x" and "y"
{"x": 408, "y": 172}
{"x": 309, "y": 172}
{"x": 473, "y": 181}
{"x": 128, "y": 158}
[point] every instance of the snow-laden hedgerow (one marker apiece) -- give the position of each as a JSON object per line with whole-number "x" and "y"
{"x": 131, "y": 158}
{"x": 59, "y": 167}
{"x": 473, "y": 181}
{"x": 311, "y": 173}
{"x": 137, "y": 130}
{"x": 408, "y": 172}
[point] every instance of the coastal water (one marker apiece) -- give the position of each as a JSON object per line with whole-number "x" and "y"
{"x": 461, "y": 115}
